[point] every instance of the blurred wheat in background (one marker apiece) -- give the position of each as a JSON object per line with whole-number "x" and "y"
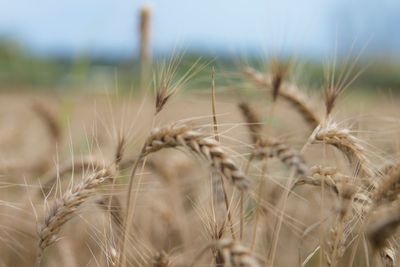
{"x": 182, "y": 160}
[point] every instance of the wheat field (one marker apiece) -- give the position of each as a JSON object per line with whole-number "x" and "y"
{"x": 263, "y": 172}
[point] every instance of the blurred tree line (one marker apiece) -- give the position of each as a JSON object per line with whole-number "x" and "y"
{"x": 20, "y": 69}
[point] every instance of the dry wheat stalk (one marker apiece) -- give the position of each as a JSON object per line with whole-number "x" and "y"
{"x": 351, "y": 146}
{"x": 200, "y": 144}
{"x": 65, "y": 207}
{"x": 290, "y": 93}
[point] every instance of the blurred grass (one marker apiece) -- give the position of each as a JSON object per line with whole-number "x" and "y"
{"x": 22, "y": 70}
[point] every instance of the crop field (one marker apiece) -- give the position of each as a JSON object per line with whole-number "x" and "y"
{"x": 260, "y": 171}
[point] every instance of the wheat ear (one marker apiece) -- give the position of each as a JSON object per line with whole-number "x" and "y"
{"x": 274, "y": 148}
{"x": 270, "y": 148}
{"x": 290, "y": 93}
{"x": 65, "y": 207}
{"x": 231, "y": 254}
{"x": 200, "y": 144}
{"x": 351, "y": 146}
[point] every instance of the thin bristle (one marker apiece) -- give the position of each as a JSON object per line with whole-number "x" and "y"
{"x": 167, "y": 83}
{"x": 85, "y": 164}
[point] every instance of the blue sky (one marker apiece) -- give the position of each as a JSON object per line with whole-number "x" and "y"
{"x": 232, "y": 26}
